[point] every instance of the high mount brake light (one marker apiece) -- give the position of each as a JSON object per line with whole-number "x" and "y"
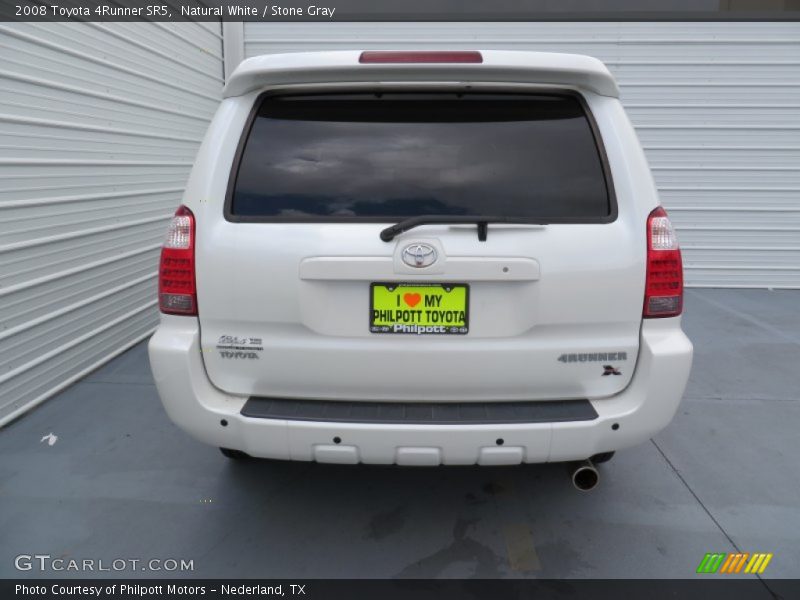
{"x": 177, "y": 293}
{"x": 431, "y": 56}
{"x": 663, "y": 294}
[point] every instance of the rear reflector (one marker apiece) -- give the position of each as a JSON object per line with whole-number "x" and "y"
{"x": 177, "y": 294}
{"x": 433, "y": 56}
{"x": 663, "y": 296}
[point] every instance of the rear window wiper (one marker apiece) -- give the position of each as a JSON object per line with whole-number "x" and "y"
{"x": 388, "y": 234}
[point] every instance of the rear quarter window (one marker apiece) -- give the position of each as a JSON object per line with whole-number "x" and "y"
{"x": 383, "y": 157}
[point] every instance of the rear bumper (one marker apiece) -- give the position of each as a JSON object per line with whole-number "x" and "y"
{"x": 645, "y": 407}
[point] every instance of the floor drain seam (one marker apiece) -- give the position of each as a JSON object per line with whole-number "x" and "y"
{"x": 707, "y": 511}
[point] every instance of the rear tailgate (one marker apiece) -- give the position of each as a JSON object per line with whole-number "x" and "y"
{"x": 286, "y": 279}
{"x": 273, "y": 332}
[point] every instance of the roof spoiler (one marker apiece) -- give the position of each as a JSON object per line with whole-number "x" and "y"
{"x": 498, "y": 66}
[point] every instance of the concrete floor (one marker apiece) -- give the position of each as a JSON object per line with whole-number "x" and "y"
{"x": 122, "y": 482}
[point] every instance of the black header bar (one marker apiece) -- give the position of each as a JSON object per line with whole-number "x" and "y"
{"x": 710, "y": 588}
{"x": 400, "y": 10}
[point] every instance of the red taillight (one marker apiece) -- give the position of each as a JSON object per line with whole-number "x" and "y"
{"x": 177, "y": 294}
{"x": 431, "y": 56}
{"x": 663, "y": 294}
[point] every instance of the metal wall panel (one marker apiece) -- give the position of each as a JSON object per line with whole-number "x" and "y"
{"x": 716, "y": 105}
{"x": 99, "y": 125}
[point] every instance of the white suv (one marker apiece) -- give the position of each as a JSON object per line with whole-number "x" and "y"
{"x": 421, "y": 258}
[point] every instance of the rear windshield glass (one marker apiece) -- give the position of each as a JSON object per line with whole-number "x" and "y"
{"x": 389, "y": 156}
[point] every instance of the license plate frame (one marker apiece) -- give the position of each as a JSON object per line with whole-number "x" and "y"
{"x": 425, "y": 326}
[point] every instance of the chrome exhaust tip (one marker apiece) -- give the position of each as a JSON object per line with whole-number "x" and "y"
{"x": 584, "y": 475}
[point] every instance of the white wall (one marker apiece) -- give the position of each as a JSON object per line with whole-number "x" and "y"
{"x": 99, "y": 125}
{"x": 716, "y": 105}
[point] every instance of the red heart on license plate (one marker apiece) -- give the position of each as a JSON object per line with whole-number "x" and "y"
{"x": 412, "y": 299}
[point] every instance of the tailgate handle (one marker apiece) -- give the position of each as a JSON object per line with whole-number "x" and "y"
{"x": 455, "y": 268}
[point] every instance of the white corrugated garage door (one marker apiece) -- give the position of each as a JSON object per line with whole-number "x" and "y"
{"x": 99, "y": 125}
{"x": 716, "y": 105}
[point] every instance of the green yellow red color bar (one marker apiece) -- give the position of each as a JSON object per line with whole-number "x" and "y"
{"x": 734, "y": 562}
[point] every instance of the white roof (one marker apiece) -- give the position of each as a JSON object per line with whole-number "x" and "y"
{"x": 498, "y": 66}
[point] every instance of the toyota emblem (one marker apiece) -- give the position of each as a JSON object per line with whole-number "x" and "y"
{"x": 419, "y": 255}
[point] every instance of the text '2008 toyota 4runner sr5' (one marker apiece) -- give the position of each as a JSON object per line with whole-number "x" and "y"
{"x": 421, "y": 258}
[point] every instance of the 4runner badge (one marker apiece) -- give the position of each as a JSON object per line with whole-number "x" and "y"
{"x": 593, "y": 357}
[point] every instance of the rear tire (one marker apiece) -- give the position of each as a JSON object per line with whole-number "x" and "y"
{"x": 234, "y": 454}
{"x": 602, "y": 457}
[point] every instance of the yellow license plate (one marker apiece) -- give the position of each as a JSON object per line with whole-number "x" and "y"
{"x": 419, "y": 309}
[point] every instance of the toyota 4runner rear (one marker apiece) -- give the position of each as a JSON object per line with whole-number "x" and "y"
{"x": 421, "y": 258}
